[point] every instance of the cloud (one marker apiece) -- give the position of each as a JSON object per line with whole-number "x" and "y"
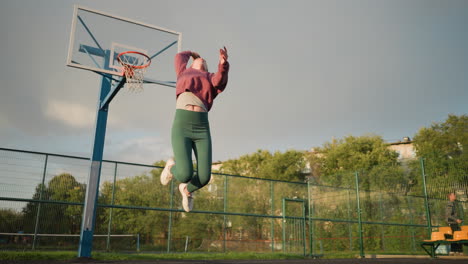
{"x": 4, "y": 123}
{"x": 71, "y": 114}
{"x": 145, "y": 150}
{"x": 75, "y": 115}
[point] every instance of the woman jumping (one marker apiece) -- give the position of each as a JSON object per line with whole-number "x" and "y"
{"x": 196, "y": 90}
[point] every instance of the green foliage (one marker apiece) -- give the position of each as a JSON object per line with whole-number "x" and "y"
{"x": 355, "y": 154}
{"x": 140, "y": 191}
{"x": 64, "y": 187}
{"x": 446, "y": 140}
{"x": 287, "y": 166}
{"x": 10, "y": 221}
{"x": 444, "y": 147}
{"x": 56, "y": 218}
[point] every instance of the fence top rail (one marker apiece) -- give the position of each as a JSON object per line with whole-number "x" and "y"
{"x": 77, "y": 157}
{"x": 215, "y": 173}
{"x": 256, "y": 178}
{"x": 138, "y": 164}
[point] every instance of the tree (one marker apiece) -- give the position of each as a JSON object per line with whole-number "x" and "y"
{"x": 287, "y": 166}
{"x": 10, "y": 221}
{"x": 444, "y": 149}
{"x": 381, "y": 177}
{"x": 56, "y": 218}
{"x": 256, "y": 194}
{"x": 144, "y": 190}
{"x": 444, "y": 143}
{"x": 30, "y": 210}
{"x": 339, "y": 159}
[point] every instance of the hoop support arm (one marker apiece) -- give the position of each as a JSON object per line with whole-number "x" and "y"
{"x": 112, "y": 93}
{"x": 165, "y": 83}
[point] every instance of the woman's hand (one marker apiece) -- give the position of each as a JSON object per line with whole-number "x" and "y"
{"x": 195, "y": 55}
{"x": 223, "y": 56}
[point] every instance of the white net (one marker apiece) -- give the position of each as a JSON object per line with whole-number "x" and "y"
{"x": 135, "y": 65}
{"x": 134, "y": 77}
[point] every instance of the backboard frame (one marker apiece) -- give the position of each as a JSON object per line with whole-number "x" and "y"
{"x": 115, "y": 70}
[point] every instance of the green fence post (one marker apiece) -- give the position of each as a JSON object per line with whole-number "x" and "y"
{"x": 111, "y": 209}
{"x": 138, "y": 242}
{"x": 36, "y": 226}
{"x": 309, "y": 201}
{"x": 361, "y": 242}
{"x": 169, "y": 229}
{"x": 382, "y": 233}
{"x": 303, "y": 229}
{"x": 413, "y": 240}
{"x": 272, "y": 219}
{"x": 426, "y": 201}
{"x": 225, "y": 210}
{"x": 296, "y": 233}
{"x": 284, "y": 223}
{"x": 350, "y": 227}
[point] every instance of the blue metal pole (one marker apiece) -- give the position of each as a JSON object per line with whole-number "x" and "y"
{"x": 90, "y": 206}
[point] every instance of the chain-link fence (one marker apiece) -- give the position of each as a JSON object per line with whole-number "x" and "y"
{"x": 388, "y": 209}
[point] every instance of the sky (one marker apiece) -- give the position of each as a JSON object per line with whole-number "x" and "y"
{"x": 302, "y": 73}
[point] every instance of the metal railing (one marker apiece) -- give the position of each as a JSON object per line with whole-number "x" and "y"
{"x": 43, "y": 193}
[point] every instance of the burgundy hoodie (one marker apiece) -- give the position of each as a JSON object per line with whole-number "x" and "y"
{"x": 204, "y": 85}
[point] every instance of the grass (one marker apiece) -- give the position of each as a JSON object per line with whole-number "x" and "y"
{"x": 37, "y": 255}
{"x": 68, "y": 255}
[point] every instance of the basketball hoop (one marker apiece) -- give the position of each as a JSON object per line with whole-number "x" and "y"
{"x": 135, "y": 64}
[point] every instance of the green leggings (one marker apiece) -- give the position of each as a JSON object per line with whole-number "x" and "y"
{"x": 191, "y": 130}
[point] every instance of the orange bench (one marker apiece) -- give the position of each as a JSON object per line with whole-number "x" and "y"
{"x": 440, "y": 237}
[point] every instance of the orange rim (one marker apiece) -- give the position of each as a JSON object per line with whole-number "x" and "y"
{"x": 134, "y": 66}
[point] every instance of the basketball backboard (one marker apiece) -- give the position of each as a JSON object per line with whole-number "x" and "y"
{"x": 97, "y": 38}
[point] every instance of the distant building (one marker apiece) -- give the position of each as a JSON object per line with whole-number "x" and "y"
{"x": 404, "y": 148}
{"x": 216, "y": 166}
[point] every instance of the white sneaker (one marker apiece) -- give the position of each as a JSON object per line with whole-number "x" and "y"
{"x": 187, "y": 200}
{"x": 166, "y": 175}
